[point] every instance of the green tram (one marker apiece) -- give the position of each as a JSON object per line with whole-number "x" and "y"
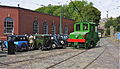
{"x": 85, "y": 35}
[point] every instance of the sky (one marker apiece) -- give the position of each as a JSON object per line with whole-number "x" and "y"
{"x": 112, "y": 6}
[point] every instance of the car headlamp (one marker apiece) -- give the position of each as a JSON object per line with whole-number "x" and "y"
{"x": 52, "y": 38}
{"x": 62, "y": 42}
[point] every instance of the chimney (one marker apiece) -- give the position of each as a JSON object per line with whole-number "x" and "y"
{"x": 18, "y": 5}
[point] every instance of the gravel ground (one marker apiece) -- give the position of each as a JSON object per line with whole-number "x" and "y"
{"x": 109, "y": 59}
{"x": 80, "y": 61}
{"x": 32, "y": 57}
{"x": 44, "y": 63}
{"x": 60, "y": 58}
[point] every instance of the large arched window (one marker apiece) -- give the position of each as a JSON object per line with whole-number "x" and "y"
{"x": 35, "y": 27}
{"x": 66, "y": 30}
{"x": 45, "y": 28}
{"x": 53, "y": 29}
{"x": 8, "y": 25}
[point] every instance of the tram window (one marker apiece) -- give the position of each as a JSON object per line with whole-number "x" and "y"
{"x": 85, "y": 26}
{"x": 78, "y": 27}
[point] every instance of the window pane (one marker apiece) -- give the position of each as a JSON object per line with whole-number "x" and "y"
{"x": 78, "y": 27}
{"x": 53, "y": 29}
{"x": 45, "y": 28}
{"x": 85, "y": 26}
{"x": 35, "y": 27}
{"x": 66, "y": 30}
{"x": 8, "y": 25}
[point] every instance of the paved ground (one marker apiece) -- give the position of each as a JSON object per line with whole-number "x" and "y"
{"x": 110, "y": 58}
{"x": 104, "y": 56}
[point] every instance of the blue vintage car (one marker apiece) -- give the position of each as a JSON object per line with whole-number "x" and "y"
{"x": 20, "y": 42}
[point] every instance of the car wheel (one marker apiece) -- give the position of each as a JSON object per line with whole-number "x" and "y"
{"x": 63, "y": 46}
{"x": 24, "y": 46}
{"x": 36, "y": 47}
{"x": 40, "y": 47}
{"x": 16, "y": 49}
{"x": 2, "y": 47}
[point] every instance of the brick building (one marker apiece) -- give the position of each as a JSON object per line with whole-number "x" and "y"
{"x": 20, "y": 21}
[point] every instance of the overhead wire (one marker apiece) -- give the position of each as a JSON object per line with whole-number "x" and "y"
{"x": 77, "y": 10}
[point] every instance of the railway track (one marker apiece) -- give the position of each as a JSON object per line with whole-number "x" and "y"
{"x": 75, "y": 56}
{"x": 105, "y": 48}
{"x": 9, "y": 63}
{"x": 94, "y": 59}
{"x": 51, "y": 66}
{"x": 65, "y": 60}
{"x": 43, "y": 57}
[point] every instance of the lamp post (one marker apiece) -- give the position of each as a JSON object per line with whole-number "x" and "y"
{"x": 118, "y": 9}
{"x": 60, "y": 27}
{"x": 61, "y": 20}
{"x": 107, "y": 14}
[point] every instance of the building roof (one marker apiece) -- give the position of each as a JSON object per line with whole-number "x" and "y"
{"x": 32, "y": 11}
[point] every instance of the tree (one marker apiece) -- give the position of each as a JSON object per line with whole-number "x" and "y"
{"x": 91, "y": 14}
{"x": 77, "y": 10}
{"x": 48, "y": 9}
{"x": 115, "y": 22}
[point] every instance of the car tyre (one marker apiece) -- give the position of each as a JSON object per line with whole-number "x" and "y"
{"x": 25, "y": 45}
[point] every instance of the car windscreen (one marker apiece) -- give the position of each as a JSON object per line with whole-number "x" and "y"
{"x": 11, "y": 38}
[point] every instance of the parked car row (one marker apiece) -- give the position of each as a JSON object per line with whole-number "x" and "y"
{"x": 36, "y": 41}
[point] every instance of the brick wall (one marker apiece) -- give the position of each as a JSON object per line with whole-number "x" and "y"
{"x": 24, "y": 18}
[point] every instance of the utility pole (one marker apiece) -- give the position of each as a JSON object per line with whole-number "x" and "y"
{"x": 107, "y": 14}
{"x": 60, "y": 28}
{"x": 61, "y": 21}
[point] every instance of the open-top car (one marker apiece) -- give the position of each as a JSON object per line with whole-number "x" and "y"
{"x": 20, "y": 42}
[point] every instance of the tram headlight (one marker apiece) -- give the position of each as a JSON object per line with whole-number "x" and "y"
{"x": 76, "y": 36}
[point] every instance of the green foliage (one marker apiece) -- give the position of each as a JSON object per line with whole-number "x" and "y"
{"x": 113, "y": 22}
{"x": 48, "y": 9}
{"x": 77, "y": 10}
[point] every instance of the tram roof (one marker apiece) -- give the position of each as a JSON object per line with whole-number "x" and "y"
{"x": 85, "y": 22}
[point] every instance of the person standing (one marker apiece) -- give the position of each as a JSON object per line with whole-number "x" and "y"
{"x": 31, "y": 41}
